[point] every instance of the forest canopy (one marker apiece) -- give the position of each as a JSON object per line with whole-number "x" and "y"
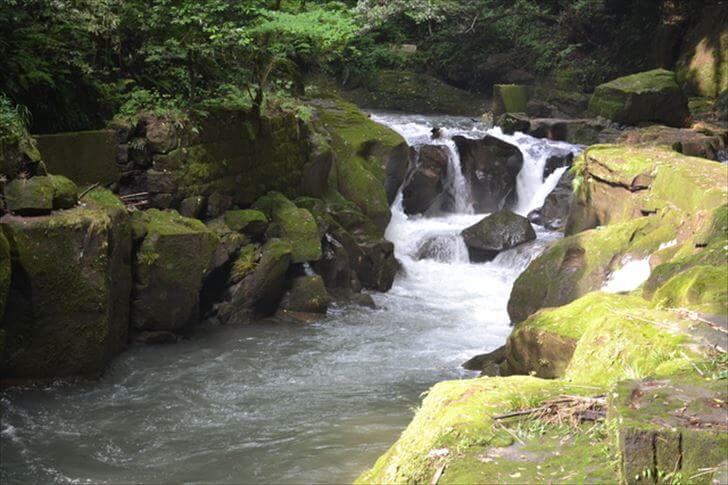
{"x": 73, "y": 64}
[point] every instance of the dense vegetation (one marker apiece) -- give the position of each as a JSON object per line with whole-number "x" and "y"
{"x": 74, "y": 63}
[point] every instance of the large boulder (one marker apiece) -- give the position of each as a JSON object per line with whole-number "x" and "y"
{"x": 67, "y": 311}
{"x": 651, "y": 96}
{"x": 259, "y": 282}
{"x": 425, "y": 183}
{"x": 495, "y": 233}
{"x": 250, "y": 222}
{"x": 39, "y": 195}
{"x": 175, "y": 255}
{"x": 490, "y": 166}
{"x": 296, "y": 225}
{"x": 308, "y": 295}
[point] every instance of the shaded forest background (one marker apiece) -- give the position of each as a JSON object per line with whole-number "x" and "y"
{"x": 73, "y": 64}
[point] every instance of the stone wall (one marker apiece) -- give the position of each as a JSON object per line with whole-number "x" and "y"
{"x": 85, "y": 157}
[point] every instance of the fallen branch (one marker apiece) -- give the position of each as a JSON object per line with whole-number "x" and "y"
{"x": 89, "y": 189}
{"x": 571, "y": 410}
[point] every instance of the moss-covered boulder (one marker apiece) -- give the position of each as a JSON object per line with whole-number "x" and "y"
{"x": 307, "y": 294}
{"x": 296, "y": 225}
{"x": 579, "y": 264}
{"x": 250, "y": 222}
{"x": 510, "y": 98}
{"x": 30, "y": 196}
{"x": 174, "y": 255}
{"x": 369, "y": 156}
{"x": 259, "y": 277}
{"x": 414, "y": 93}
{"x": 67, "y": 312}
{"x": 702, "y": 65}
{"x": 615, "y": 183}
{"x": 495, "y": 233}
{"x": 651, "y": 96}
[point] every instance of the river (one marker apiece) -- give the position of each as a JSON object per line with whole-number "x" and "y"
{"x": 280, "y": 403}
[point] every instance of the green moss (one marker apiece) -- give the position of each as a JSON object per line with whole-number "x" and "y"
{"x": 29, "y": 196}
{"x": 701, "y": 288}
{"x": 65, "y": 192}
{"x": 102, "y": 197}
{"x": 245, "y": 263}
{"x": 251, "y": 222}
{"x": 510, "y": 98}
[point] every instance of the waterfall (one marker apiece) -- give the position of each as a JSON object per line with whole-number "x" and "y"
{"x": 456, "y": 187}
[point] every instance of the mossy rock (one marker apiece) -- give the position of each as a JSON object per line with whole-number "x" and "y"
{"x": 579, "y": 264}
{"x": 5, "y": 270}
{"x": 689, "y": 142}
{"x": 175, "y": 254}
{"x": 102, "y": 197}
{"x": 671, "y": 428}
{"x": 262, "y": 282}
{"x": 65, "y": 192}
{"x": 253, "y": 223}
{"x": 67, "y": 313}
{"x": 454, "y": 426}
{"x": 651, "y": 96}
{"x": 30, "y": 196}
{"x": 615, "y": 183}
{"x": 367, "y": 155}
{"x": 414, "y": 93}
{"x": 296, "y": 225}
{"x": 510, "y": 98}
{"x": 308, "y": 294}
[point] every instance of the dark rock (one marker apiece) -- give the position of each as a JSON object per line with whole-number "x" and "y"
{"x": 307, "y": 294}
{"x": 262, "y": 285}
{"x": 575, "y": 131}
{"x": 162, "y": 135}
{"x": 703, "y": 142}
{"x": 555, "y": 210}
{"x": 513, "y": 122}
{"x": 497, "y": 232}
{"x": 490, "y": 166}
{"x": 175, "y": 255}
{"x": 488, "y": 364}
{"x": 217, "y": 204}
{"x": 315, "y": 174}
{"x": 139, "y": 153}
{"x": 334, "y": 266}
{"x": 67, "y": 310}
{"x": 558, "y": 160}
{"x": 31, "y": 196}
{"x": 155, "y": 338}
{"x": 192, "y": 206}
{"x": 425, "y": 184}
{"x": 345, "y": 296}
{"x": 542, "y": 109}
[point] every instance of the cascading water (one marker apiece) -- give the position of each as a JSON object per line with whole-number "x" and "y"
{"x": 284, "y": 403}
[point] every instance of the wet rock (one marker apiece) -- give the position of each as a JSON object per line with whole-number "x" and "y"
{"x": 175, "y": 255}
{"x": 67, "y": 311}
{"x": 651, "y": 96}
{"x": 497, "y": 232}
{"x": 490, "y": 166}
{"x": 513, "y": 122}
{"x": 424, "y": 185}
{"x": 307, "y": 294}
{"x": 439, "y": 248}
{"x": 261, "y": 286}
{"x": 487, "y": 364}
{"x": 334, "y": 265}
{"x": 345, "y": 296}
{"x": 556, "y": 161}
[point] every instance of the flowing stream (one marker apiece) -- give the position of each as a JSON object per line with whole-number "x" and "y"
{"x": 287, "y": 404}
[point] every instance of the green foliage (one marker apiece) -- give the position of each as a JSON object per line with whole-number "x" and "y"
{"x": 13, "y": 119}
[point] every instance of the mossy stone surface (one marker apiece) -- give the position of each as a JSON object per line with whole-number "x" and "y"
{"x": 247, "y": 221}
{"x": 65, "y": 192}
{"x": 650, "y": 96}
{"x": 296, "y": 225}
{"x": 30, "y": 196}
{"x": 510, "y": 98}
{"x": 308, "y": 294}
{"x": 67, "y": 311}
{"x": 175, "y": 254}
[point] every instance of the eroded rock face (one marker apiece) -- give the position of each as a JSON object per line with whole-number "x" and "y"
{"x": 497, "y": 232}
{"x": 490, "y": 166}
{"x": 703, "y": 142}
{"x": 651, "y": 96}
{"x": 67, "y": 310}
{"x": 424, "y": 185}
{"x": 174, "y": 256}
